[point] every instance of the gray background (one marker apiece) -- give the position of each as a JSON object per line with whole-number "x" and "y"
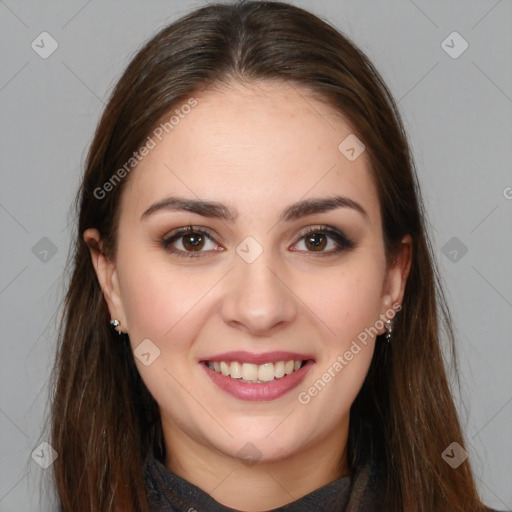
{"x": 458, "y": 115}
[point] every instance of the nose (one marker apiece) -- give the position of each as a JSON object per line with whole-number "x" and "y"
{"x": 258, "y": 299}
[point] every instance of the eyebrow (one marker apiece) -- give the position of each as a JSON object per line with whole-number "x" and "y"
{"x": 218, "y": 210}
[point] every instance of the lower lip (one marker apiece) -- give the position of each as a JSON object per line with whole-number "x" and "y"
{"x": 259, "y": 392}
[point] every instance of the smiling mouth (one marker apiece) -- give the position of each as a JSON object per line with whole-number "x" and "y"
{"x": 256, "y": 373}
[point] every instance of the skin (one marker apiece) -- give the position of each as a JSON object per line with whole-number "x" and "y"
{"x": 256, "y": 148}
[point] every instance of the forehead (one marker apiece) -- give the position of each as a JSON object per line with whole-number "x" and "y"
{"x": 256, "y": 147}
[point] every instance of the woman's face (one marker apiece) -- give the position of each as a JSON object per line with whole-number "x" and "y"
{"x": 258, "y": 291}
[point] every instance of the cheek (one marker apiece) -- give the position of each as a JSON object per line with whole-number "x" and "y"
{"x": 346, "y": 300}
{"x": 157, "y": 298}
{"x": 163, "y": 304}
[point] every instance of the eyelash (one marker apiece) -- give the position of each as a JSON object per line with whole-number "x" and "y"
{"x": 344, "y": 243}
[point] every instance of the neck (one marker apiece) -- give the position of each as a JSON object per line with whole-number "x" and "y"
{"x": 262, "y": 485}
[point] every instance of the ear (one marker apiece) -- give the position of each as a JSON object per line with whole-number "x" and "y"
{"x": 397, "y": 274}
{"x": 107, "y": 277}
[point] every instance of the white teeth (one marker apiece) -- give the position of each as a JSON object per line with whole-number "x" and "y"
{"x": 266, "y": 372}
{"x": 235, "y": 370}
{"x": 279, "y": 369}
{"x": 224, "y": 368}
{"x": 255, "y": 373}
{"x": 249, "y": 371}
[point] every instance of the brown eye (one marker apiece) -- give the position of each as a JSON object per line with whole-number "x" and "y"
{"x": 192, "y": 241}
{"x": 316, "y": 241}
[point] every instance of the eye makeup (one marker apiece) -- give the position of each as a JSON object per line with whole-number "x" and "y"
{"x": 197, "y": 237}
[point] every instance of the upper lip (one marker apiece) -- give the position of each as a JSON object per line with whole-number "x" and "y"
{"x": 241, "y": 356}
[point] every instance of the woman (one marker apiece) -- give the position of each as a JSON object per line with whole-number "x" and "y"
{"x": 252, "y": 318}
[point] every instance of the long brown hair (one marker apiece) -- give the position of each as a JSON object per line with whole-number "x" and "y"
{"x": 103, "y": 419}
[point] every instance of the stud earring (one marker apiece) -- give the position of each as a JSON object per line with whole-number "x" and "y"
{"x": 115, "y": 323}
{"x": 389, "y": 330}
